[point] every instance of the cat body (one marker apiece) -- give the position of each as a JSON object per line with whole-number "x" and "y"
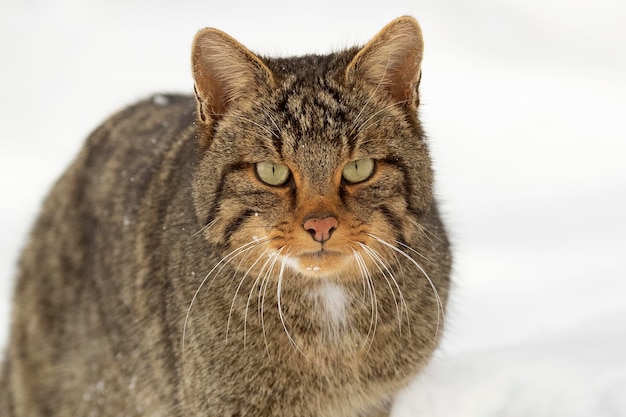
{"x": 269, "y": 247}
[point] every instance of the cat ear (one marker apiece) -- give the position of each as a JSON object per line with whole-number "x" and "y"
{"x": 391, "y": 61}
{"x": 224, "y": 71}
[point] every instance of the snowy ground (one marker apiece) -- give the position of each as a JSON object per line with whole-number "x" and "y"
{"x": 524, "y": 103}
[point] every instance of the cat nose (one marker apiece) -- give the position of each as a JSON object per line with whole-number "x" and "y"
{"x": 321, "y": 227}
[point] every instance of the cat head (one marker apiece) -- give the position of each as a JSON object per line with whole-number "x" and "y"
{"x": 313, "y": 165}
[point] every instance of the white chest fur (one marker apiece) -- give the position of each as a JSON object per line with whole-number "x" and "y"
{"x": 331, "y": 301}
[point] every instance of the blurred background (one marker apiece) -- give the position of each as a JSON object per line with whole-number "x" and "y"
{"x": 524, "y": 103}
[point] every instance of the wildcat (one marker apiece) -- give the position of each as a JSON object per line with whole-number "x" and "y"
{"x": 271, "y": 247}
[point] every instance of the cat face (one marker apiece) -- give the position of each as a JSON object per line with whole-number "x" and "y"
{"x": 313, "y": 166}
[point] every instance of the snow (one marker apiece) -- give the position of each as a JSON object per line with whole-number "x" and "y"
{"x": 577, "y": 372}
{"x": 524, "y": 104}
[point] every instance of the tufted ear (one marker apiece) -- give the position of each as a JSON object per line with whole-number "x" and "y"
{"x": 391, "y": 61}
{"x": 224, "y": 71}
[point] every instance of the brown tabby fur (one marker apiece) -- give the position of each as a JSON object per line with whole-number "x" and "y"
{"x": 164, "y": 278}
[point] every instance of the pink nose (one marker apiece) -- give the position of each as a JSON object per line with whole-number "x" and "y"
{"x": 321, "y": 229}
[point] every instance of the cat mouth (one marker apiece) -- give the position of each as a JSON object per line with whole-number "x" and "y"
{"x": 320, "y": 263}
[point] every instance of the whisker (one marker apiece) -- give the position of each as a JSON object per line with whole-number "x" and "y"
{"x": 232, "y": 305}
{"x": 263, "y": 291}
{"x": 393, "y": 254}
{"x": 426, "y": 231}
{"x": 404, "y": 245}
{"x": 261, "y": 306}
{"x": 381, "y": 266}
{"x": 363, "y": 269}
{"x": 254, "y": 285}
{"x": 388, "y": 275}
{"x": 358, "y": 259}
{"x": 283, "y": 264}
{"x": 440, "y": 309}
{"x": 203, "y": 229}
{"x": 369, "y": 284}
{"x": 221, "y": 264}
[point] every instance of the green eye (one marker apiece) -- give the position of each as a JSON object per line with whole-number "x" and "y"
{"x": 358, "y": 171}
{"x": 271, "y": 173}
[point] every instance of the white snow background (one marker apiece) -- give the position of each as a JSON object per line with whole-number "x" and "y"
{"x": 524, "y": 103}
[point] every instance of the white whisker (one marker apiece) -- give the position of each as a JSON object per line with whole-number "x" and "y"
{"x": 404, "y": 245}
{"x": 245, "y": 275}
{"x": 380, "y": 265}
{"x": 388, "y": 275}
{"x": 359, "y": 262}
{"x": 204, "y": 228}
{"x": 261, "y": 274}
{"x": 283, "y": 264}
{"x": 440, "y": 309}
{"x": 426, "y": 232}
{"x": 263, "y": 291}
{"x": 369, "y": 284}
{"x": 221, "y": 264}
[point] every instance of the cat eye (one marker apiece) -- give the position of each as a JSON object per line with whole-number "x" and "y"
{"x": 272, "y": 173}
{"x": 358, "y": 171}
